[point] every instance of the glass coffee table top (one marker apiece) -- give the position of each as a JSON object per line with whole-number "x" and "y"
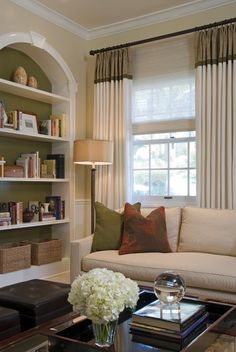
{"x": 72, "y": 333}
{"x": 42, "y": 343}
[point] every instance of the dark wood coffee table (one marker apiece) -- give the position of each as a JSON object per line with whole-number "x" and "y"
{"x": 73, "y": 333}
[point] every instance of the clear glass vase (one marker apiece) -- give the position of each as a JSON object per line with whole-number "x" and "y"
{"x": 104, "y": 334}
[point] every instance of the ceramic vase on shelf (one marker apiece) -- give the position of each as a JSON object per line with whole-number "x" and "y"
{"x": 104, "y": 334}
{"x": 20, "y": 76}
{"x": 32, "y": 82}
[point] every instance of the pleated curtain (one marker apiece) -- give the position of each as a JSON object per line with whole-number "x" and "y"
{"x": 216, "y": 116}
{"x": 112, "y": 105}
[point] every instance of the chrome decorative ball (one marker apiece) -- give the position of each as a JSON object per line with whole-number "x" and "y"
{"x": 169, "y": 287}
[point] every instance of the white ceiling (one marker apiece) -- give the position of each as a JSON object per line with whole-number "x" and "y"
{"x": 94, "y": 18}
{"x": 98, "y": 13}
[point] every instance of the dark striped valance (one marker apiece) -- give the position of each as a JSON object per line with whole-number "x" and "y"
{"x": 112, "y": 66}
{"x": 216, "y": 45}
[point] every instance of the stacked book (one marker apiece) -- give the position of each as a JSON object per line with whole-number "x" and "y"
{"x": 172, "y": 328}
{"x": 5, "y": 218}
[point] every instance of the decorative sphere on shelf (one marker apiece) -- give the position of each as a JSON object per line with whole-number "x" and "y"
{"x": 169, "y": 287}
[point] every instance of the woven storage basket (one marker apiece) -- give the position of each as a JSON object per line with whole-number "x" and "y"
{"x": 14, "y": 256}
{"x": 45, "y": 251}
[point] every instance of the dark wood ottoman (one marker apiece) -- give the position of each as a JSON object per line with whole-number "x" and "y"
{"x": 36, "y": 300}
{"x": 9, "y": 322}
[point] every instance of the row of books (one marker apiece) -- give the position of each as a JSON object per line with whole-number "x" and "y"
{"x": 11, "y": 213}
{"x": 52, "y": 167}
{"x": 55, "y": 126}
{"x": 172, "y": 328}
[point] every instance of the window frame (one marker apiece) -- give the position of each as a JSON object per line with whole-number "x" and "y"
{"x": 156, "y": 128}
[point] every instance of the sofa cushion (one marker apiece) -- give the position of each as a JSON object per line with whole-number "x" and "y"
{"x": 173, "y": 217}
{"x": 200, "y": 270}
{"x": 109, "y": 227}
{"x": 144, "y": 234}
{"x": 208, "y": 231}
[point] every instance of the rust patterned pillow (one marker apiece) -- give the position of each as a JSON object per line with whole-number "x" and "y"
{"x": 144, "y": 234}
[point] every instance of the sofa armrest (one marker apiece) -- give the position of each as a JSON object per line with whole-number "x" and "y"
{"x": 79, "y": 249}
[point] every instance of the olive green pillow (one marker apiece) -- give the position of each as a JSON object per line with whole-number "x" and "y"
{"x": 109, "y": 227}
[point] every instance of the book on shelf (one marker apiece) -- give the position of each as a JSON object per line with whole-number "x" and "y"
{"x": 24, "y": 162}
{"x": 33, "y": 161}
{"x": 55, "y": 205}
{"x": 60, "y": 164}
{"x": 63, "y": 209}
{"x": 58, "y": 126}
{"x": 1, "y": 113}
{"x": 16, "y": 212}
{"x": 173, "y": 319}
{"x": 48, "y": 169}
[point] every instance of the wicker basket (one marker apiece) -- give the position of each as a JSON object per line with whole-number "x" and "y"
{"x": 45, "y": 251}
{"x": 14, "y": 256}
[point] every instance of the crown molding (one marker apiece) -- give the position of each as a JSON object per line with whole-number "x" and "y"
{"x": 194, "y": 6}
{"x": 54, "y": 17}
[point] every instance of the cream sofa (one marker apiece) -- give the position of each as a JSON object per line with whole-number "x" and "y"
{"x": 203, "y": 244}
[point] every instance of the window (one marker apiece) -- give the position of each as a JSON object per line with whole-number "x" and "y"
{"x": 163, "y": 122}
{"x": 164, "y": 165}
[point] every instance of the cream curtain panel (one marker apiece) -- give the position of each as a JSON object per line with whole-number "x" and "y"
{"x": 112, "y": 104}
{"x": 216, "y": 116}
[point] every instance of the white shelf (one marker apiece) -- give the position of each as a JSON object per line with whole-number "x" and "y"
{"x": 60, "y": 101}
{"x": 34, "y": 224}
{"x": 36, "y": 271}
{"x": 24, "y": 179}
{"x": 7, "y": 132}
{"x": 31, "y": 93}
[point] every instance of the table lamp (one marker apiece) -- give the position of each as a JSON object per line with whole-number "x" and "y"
{"x": 93, "y": 152}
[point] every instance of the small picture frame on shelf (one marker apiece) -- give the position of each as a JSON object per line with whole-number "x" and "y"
{"x": 28, "y": 123}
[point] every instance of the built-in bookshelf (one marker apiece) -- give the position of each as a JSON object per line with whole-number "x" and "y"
{"x": 57, "y": 98}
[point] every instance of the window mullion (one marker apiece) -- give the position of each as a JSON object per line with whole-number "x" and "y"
{"x": 168, "y": 170}
{"x": 150, "y": 169}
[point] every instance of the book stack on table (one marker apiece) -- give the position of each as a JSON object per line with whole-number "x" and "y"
{"x": 172, "y": 327}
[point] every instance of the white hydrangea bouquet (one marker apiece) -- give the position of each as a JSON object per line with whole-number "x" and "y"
{"x": 102, "y": 295}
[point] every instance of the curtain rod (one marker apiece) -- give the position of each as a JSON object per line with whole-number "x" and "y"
{"x": 164, "y": 36}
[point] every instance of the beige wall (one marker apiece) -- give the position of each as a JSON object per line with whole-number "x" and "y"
{"x": 74, "y": 51}
{"x": 217, "y": 14}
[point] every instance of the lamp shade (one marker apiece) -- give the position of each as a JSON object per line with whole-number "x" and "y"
{"x": 93, "y": 152}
